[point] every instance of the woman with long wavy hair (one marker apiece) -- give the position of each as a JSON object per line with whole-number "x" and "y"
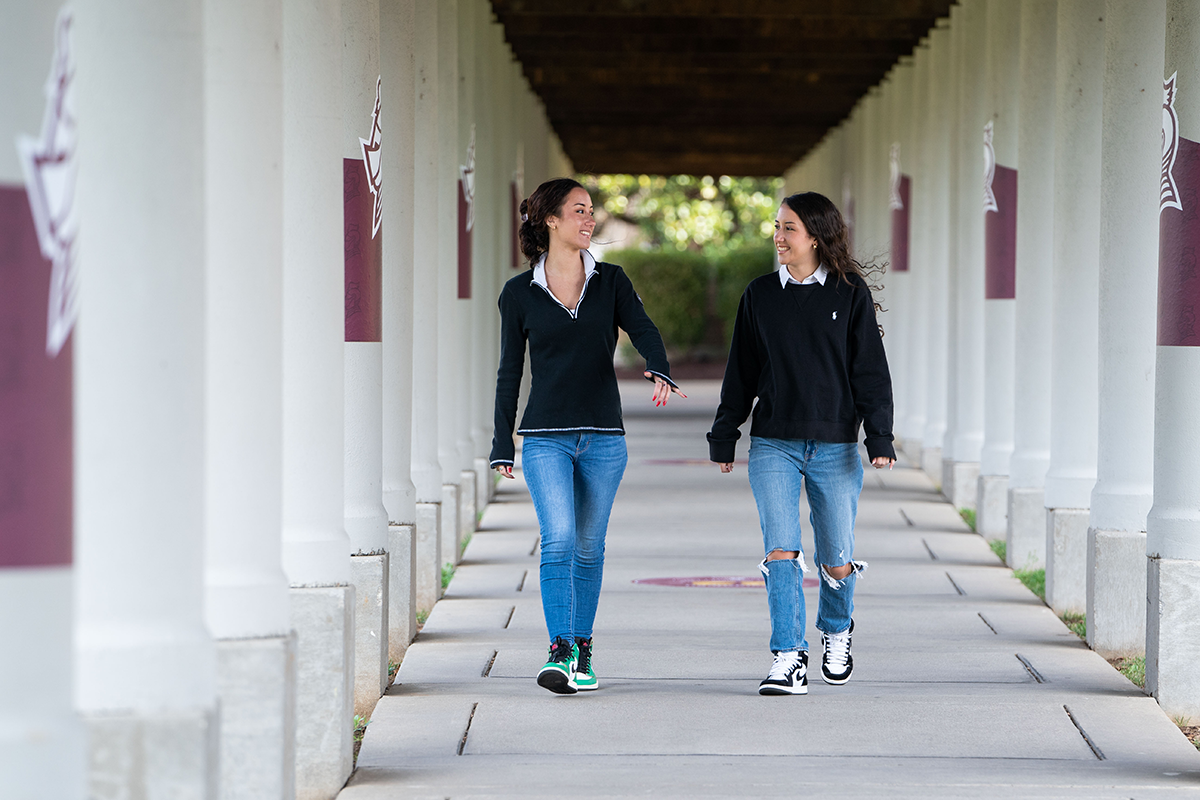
{"x": 567, "y": 309}
{"x": 807, "y": 345}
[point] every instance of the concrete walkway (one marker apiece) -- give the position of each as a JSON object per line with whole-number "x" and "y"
{"x": 965, "y": 684}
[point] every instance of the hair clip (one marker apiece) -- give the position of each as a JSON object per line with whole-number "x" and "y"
{"x": 524, "y": 218}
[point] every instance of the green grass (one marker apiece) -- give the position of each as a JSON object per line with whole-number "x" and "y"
{"x": 393, "y": 668}
{"x": 360, "y": 730}
{"x": 1000, "y": 548}
{"x": 968, "y": 515}
{"x": 422, "y": 616}
{"x": 1077, "y": 623}
{"x": 447, "y": 574}
{"x": 462, "y": 549}
{"x": 1132, "y": 668}
{"x": 1034, "y": 580}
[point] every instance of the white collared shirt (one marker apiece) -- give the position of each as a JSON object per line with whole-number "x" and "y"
{"x": 589, "y": 269}
{"x": 819, "y": 276}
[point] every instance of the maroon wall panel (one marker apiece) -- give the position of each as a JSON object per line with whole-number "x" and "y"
{"x": 900, "y": 223}
{"x": 464, "y": 247}
{"x": 364, "y": 256}
{"x": 1000, "y": 238}
{"x": 1178, "y": 242}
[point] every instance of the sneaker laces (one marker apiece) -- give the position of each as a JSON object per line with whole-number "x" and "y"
{"x": 837, "y": 650}
{"x": 560, "y": 651}
{"x": 585, "y": 656}
{"x": 783, "y": 665}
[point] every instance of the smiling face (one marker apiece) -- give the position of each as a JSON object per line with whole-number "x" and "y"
{"x": 574, "y": 224}
{"x": 792, "y": 242}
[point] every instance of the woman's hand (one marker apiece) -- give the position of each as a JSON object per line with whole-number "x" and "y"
{"x": 879, "y": 462}
{"x": 662, "y": 390}
{"x": 726, "y": 467}
{"x": 505, "y": 470}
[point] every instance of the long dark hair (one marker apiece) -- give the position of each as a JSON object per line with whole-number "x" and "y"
{"x": 824, "y": 223}
{"x": 546, "y": 201}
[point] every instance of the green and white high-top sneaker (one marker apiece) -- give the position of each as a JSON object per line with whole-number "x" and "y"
{"x": 559, "y": 673}
{"x": 585, "y": 676}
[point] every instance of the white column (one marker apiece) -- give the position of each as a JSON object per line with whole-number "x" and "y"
{"x": 316, "y": 549}
{"x": 941, "y": 103}
{"x": 469, "y": 133}
{"x": 427, "y": 220}
{"x": 1131, "y": 151}
{"x": 398, "y": 67}
{"x": 961, "y": 463}
{"x": 892, "y": 115}
{"x": 246, "y": 602}
{"x": 916, "y": 327}
{"x": 42, "y": 747}
{"x": 362, "y": 195}
{"x": 1073, "y": 358}
{"x": 452, "y": 153}
{"x": 953, "y": 154}
{"x": 147, "y": 661}
{"x": 1000, "y": 265}
{"x": 1026, "y": 533}
{"x": 1173, "y": 526}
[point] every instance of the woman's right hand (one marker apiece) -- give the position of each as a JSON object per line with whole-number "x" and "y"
{"x": 727, "y": 467}
{"x": 505, "y": 470}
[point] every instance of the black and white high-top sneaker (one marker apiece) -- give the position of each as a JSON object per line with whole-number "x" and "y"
{"x": 788, "y": 675}
{"x": 836, "y": 663}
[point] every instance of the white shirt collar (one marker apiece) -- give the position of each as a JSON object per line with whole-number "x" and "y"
{"x": 539, "y": 269}
{"x": 819, "y": 276}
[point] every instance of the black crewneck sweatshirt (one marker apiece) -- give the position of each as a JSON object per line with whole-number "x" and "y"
{"x": 574, "y": 385}
{"x": 813, "y": 356}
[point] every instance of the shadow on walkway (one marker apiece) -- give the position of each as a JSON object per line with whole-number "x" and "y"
{"x": 965, "y": 684}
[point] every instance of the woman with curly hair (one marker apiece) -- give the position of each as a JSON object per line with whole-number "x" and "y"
{"x": 807, "y": 345}
{"x": 567, "y": 309}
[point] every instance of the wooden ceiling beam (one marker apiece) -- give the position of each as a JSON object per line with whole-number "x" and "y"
{"x": 691, "y": 27}
{"x": 667, "y": 74}
{"x": 795, "y": 9}
{"x": 586, "y": 46}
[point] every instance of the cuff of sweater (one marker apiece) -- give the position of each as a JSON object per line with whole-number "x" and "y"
{"x": 721, "y": 452}
{"x": 667, "y": 378}
{"x": 880, "y": 446}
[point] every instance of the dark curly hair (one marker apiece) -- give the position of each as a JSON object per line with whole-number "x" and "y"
{"x": 824, "y": 223}
{"x": 546, "y": 201}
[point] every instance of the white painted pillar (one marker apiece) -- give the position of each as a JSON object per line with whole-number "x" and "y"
{"x": 452, "y": 152}
{"x": 42, "y": 747}
{"x": 316, "y": 549}
{"x": 961, "y": 464}
{"x": 465, "y": 307}
{"x": 147, "y": 661}
{"x": 916, "y": 328}
{"x": 362, "y": 196}
{"x": 1173, "y": 526}
{"x": 893, "y": 117}
{"x": 427, "y": 344}
{"x": 1000, "y": 265}
{"x": 938, "y": 167}
{"x": 1026, "y": 532}
{"x": 397, "y": 63}
{"x": 1131, "y": 151}
{"x": 246, "y": 601}
{"x": 953, "y": 154}
{"x": 1073, "y": 359}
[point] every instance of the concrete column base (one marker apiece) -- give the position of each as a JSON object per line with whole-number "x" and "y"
{"x": 931, "y": 463}
{"x": 161, "y": 753}
{"x": 1173, "y": 636}
{"x": 256, "y": 682}
{"x": 1066, "y": 559}
{"x": 451, "y": 526}
{"x": 483, "y": 485}
{"x": 1116, "y": 584}
{"x": 912, "y": 449}
{"x": 369, "y": 574}
{"x": 323, "y": 618}
{"x": 429, "y": 555}
{"x": 960, "y": 482}
{"x": 991, "y": 506}
{"x": 1026, "y": 539}
{"x": 402, "y": 590}
{"x": 466, "y": 509}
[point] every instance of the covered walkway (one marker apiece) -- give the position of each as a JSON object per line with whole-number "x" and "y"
{"x": 965, "y": 684}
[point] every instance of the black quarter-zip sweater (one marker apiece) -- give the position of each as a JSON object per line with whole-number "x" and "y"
{"x": 813, "y": 356}
{"x": 573, "y": 384}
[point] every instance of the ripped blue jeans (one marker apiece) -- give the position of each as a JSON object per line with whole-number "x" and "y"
{"x": 832, "y": 475}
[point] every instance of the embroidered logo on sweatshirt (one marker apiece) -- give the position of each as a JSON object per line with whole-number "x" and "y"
{"x": 835, "y": 315}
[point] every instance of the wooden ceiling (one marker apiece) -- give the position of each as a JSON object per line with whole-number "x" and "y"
{"x": 705, "y": 87}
